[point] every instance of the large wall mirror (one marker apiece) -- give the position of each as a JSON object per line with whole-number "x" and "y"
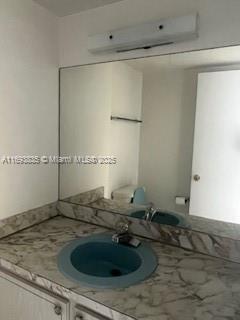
{"x": 155, "y": 138}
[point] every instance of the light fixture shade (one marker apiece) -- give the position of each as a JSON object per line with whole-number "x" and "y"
{"x": 147, "y": 35}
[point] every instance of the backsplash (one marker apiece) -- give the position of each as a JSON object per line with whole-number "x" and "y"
{"x": 86, "y": 197}
{"x": 27, "y": 219}
{"x": 95, "y": 199}
{"x": 201, "y": 242}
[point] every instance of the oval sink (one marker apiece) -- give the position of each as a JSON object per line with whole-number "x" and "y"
{"x": 98, "y": 262}
{"x": 172, "y": 219}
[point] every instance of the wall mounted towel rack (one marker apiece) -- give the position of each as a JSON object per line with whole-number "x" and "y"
{"x": 125, "y": 119}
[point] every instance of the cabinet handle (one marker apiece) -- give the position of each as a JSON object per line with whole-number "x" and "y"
{"x": 79, "y": 317}
{"x": 58, "y": 310}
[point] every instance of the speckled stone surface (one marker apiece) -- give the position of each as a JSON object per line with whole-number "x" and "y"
{"x": 27, "y": 219}
{"x": 116, "y": 206}
{"x": 86, "y": 197}
{"x": 185, "y": 286}
{"x": 96, "y": 200}
{"x": 224, "y": 229}
{"x": 215, "y": 227}
{"x": 201, "y": 242}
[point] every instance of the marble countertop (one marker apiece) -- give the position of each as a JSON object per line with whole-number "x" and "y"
{"x": 116, "y": 206}
{"x": 185, "y": 286}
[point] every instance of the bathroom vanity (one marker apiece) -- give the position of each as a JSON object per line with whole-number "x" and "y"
{"x": 186, "y": 285}
{"x": 34, "y": 302}
{"x": 28, "y": 301}
{"x": 152, "y": 143}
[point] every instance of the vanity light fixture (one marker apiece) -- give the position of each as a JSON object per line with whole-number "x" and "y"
{"x": 146, "y": 36}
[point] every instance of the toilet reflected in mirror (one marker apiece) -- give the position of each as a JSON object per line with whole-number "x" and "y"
{"x": 155, "y": 138}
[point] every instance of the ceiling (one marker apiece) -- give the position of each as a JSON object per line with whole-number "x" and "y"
{"x": 66, "y": 7}
{"x": 188, "y": 60}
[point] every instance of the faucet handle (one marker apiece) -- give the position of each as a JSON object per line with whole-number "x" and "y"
{"x": 122, "y": 236}
{"x": 122, "y": 227}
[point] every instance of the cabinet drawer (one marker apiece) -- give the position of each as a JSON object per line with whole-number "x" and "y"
{"x": 82, "y": 313}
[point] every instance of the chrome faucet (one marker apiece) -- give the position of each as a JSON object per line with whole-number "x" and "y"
{"x": 122, "y": 236}
{"x": 122, "y": 233}
{"x": 150, "y": 214}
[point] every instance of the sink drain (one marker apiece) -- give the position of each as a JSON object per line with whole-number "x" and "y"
{"x": 116, "y": 272}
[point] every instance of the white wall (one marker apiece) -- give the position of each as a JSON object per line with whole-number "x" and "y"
{"x": 86, "y": 94}
{"x": 125, "y": 136}
{"x": 89, "y": 96}
{"x": 166, "y": 144}
{"x": 28, "y": 104}
{"x": 219, "y": 26}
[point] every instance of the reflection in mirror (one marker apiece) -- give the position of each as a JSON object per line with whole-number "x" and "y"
{"x": 155, "y": 138}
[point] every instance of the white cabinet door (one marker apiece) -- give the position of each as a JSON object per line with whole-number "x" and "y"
{"x": 215, "y": 190}
{"x": 20, "y": 303}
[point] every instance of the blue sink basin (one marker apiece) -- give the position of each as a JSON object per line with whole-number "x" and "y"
{"x": 96, "y": 261}
{"x": 172, "y": 219}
